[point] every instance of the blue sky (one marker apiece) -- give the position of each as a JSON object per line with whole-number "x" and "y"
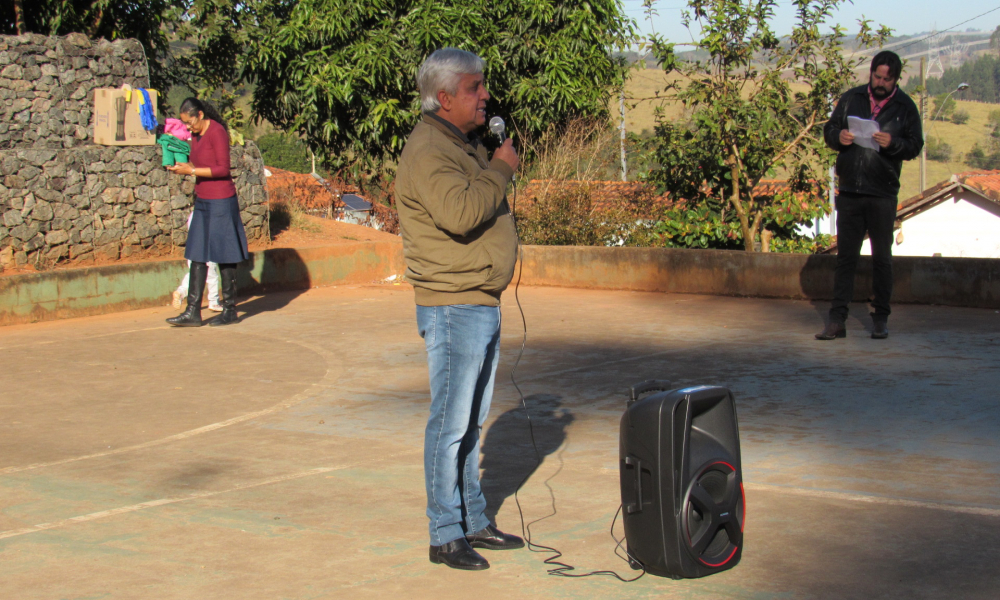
{"x": 905, "y": 17}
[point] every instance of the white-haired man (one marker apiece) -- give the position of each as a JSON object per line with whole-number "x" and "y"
{"x": 460, "y": 247}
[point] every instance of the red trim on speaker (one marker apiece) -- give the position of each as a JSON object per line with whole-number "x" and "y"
{"x": 743, "y": 496}
{"x": 743, "y": 499}
{"x": 728, "y": 558}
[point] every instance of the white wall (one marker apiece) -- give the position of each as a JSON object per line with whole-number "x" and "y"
{"x": 965, "y": 225}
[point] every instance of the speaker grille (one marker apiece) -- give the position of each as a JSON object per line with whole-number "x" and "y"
{"x": 714, "y": 483}
{"x": 713, "y": 514}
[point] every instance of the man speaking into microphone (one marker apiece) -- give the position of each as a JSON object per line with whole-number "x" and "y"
{"x": 460, "y": 247}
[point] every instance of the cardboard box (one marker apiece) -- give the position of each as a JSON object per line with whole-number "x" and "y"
{"x": 117, "y": 121}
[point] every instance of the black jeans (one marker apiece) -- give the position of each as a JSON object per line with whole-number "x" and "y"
{"x": 857, "y": 215}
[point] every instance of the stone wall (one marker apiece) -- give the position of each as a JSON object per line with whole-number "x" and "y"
{"x": 103, "y": 202}
{"x": 62, "y": 198}
{"x": 47, "y": 83}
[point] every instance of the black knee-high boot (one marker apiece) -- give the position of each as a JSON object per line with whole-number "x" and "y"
{"x": 227, "y": 275}
{"x": 191, "y": 317}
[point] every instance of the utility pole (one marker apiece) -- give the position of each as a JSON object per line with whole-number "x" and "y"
{"x": 923, "y": 123}
{"x": 621, "y": 106}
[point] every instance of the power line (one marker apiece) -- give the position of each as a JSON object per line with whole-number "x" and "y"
{"x": 936, "y": 33}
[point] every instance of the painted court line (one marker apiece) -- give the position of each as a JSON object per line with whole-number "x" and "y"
{"x": 322, "y": 470}
{"x": 173, "y": 438}
{"x": 81, "y": 338}
{"x": 827, "y": 495}
{"x": 196, "y": 496}
{"x": 324, "y": 383}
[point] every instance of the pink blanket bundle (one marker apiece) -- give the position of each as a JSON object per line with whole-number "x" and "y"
{"x": 177, "y": 129}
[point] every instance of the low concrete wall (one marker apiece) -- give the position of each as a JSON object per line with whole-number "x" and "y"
{"x": 67, "y": 293}
{"x": 952, "y": 281}
{"x": 70, "y": 293}
{"x": 299, "y": 269}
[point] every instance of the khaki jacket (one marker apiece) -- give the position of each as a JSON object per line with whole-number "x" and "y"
{"x": 459, "y": 240}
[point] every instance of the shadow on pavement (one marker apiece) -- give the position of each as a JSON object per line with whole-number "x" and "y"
{"x": 279, "y": 270}
{"x": 816, "y": 282}
{"x": 508, "y": 456}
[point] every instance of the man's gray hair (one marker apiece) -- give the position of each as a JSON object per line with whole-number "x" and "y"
{"x": 441, "y": 71}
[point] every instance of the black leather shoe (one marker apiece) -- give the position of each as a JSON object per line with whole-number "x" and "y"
{"x": 458, "y": 554}
{"x": 492, "y": 538}
{"x": 834, "y": 329}
{"x": 191, "y": 317}
{"x": 880, "y": 330}
{"x": 226, "y": 317}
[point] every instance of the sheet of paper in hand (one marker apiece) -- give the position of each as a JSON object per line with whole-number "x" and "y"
{"x": 863, "y": 130}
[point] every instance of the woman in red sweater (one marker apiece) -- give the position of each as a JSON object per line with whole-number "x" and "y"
{"x": 216, "y": 233}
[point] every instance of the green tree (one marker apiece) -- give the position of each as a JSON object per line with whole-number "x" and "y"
{"x": 982, "y": 74}
{"x": 944, "y": 106}
{"x": 342, "y": 73}
{"x": 283, "y": 151}
{"x": 986, "y": 155}
{"x": 744, "y": 119}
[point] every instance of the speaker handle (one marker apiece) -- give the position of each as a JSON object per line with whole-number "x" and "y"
{"x": 637, "y": 505}
{"x": 650, "y": 385}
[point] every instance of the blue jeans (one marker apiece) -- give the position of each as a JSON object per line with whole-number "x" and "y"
{"x": 463, "y": 348}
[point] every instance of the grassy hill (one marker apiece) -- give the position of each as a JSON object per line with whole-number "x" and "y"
{"x": 640, "y": 116}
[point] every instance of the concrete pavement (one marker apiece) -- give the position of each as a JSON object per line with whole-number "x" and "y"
{"x": 281, "y": 457}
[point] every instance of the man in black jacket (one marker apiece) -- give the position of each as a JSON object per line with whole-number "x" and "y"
{"x": 868, "y": 185}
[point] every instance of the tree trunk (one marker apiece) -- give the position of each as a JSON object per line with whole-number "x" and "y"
{"x": 19, "y": 17}
{"x": 734, "y": 199}
{"x": 95, "y": 25}
{"x": 765, "y": 240}
{"x": 754, "y": 228}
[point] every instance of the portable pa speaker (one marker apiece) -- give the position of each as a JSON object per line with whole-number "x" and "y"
{"x": 681, "y": 480}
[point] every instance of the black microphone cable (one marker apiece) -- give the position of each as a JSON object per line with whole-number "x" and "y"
{"x": 559, "y": 569}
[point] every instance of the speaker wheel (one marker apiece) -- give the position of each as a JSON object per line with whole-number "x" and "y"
{"x": 714, "y": 508}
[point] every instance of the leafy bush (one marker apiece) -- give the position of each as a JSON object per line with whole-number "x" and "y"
{"x": 697, "y": 227}
{"x": 565, "y": 218}
{"x": 983, "y": 157}
{"x": 802, "y": 245}
{"x": 938, "y": 150}
{"x": 960, "y": 117}
{"x": 283, "y": 151}
{"x": 568, "y": 218}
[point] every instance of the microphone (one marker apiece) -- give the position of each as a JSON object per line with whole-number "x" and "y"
{"x": 497, "y": 126}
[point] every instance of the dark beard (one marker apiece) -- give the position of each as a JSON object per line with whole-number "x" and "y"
{"x": 880, "y": 93}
